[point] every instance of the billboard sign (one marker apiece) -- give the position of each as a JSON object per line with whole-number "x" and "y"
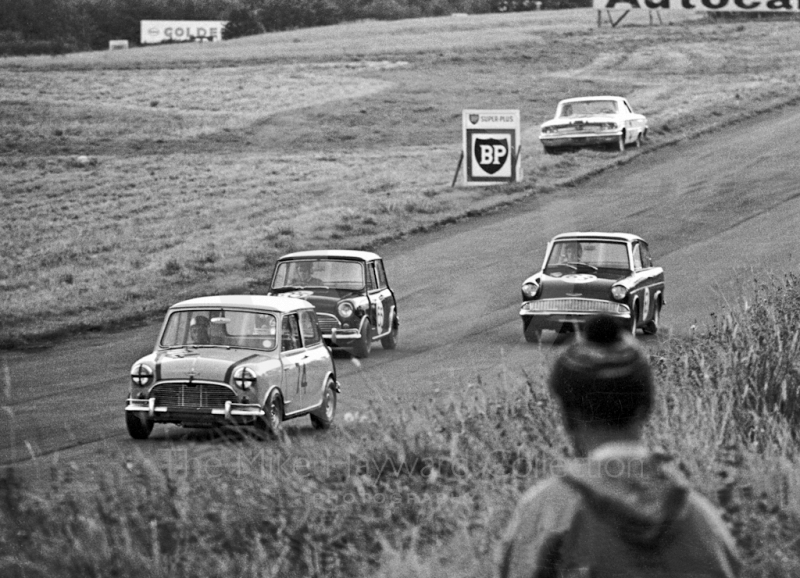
{"x": 158, "y": 31}
{"x": 491, "y": 146}
{"x": 701, "y": 5}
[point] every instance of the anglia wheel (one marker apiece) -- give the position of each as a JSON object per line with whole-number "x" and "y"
{"x": 139, "y": 425}
{"x": 651, "y": 328}
{"x": 532, "y": 333}
{"x": 323, "y": 417}
{"x": 621, "y": 143}
{"x": 634, "y": 322}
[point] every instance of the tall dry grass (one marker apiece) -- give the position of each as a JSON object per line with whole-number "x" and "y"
{"x": 426, "y": 490}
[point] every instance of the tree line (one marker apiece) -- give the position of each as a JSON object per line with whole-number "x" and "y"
{"x": 61, "y": 26}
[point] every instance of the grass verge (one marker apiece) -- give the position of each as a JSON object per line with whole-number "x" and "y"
{"x": 425, "y": 491}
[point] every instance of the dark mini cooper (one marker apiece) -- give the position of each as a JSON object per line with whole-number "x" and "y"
{"x": 588, "y": 273}
{"x": 349, "y": 290}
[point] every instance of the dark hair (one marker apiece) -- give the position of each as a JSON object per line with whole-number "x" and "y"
{"x": 604, "y": 378}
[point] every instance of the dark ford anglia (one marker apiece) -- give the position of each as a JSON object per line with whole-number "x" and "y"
{"x": 349, "y": 290}
{"x": 588, "y": 273}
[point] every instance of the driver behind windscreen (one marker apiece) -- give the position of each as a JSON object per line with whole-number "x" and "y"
{"x": 570, "y": 253}
{"x": 304, "y": 276}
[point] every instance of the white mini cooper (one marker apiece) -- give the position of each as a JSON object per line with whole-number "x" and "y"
{"x": 234, "y": 360}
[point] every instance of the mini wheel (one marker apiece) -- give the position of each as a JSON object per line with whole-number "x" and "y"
{"x": 323, "y": 417}
{"x": 363, "y": 348}
{"x": 389, "y": 341}
{"x": 272, "y": 422}
{"x": 138, "y": 424}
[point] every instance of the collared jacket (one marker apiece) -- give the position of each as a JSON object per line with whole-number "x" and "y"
{"x": 623, "y": 512}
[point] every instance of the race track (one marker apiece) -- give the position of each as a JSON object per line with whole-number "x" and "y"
{"x": 717, "y": 211}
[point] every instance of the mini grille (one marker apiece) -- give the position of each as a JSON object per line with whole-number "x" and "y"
{"x": 327, "y": 322}
{"x": 197, "y": 395}
{"x": 576, "y": 306}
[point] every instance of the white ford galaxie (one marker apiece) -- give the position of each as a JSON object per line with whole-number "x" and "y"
{"x": 591, "y": 121}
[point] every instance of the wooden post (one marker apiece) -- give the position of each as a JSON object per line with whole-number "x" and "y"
{"x": 458, "y": 168}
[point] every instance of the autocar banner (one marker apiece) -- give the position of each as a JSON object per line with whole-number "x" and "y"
{"x": 491, "y": 144}
{"x": 701, "y": 5}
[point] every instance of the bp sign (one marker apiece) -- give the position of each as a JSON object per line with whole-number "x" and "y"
{"x": 491, "y": 146}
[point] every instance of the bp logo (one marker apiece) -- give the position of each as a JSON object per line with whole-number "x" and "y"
{"x": 474, "y": 118}
{"x": 490, "y": 154}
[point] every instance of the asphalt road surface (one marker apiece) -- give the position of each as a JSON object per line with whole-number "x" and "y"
{"x": 717, "y": 211}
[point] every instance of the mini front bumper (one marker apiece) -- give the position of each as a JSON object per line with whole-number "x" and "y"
{"x": 339, "y": 336}
{"x": 580, "y": 139}
{"x": 229, "y": 411}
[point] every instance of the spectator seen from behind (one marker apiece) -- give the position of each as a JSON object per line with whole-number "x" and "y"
{"x": 620, "y": 509}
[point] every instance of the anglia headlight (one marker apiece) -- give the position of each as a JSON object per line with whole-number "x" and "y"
{"x": 619, "y": 292}
{"x": 610, "y": 126}
{"x": 244, "y": 378}
{"x": 141, "y": 375}
{"x": 345, "y": 309}
{"x": 530, "y": 289}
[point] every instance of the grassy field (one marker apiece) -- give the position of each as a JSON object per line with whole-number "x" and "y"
{"x": 427, "y": 490}
{"x": 205, "y": 162}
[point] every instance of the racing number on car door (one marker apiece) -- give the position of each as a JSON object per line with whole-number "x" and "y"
{"x": 293, "y": 357}
{"x": 380, "y": 297}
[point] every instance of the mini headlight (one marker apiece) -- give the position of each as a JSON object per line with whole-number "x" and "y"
{"x": 244, "y": 378}
{"x": 619, "y": 292}
{"x": 345, "y": 309}
{"x": 141, "y": 375}
{"x": 530, "y": 289}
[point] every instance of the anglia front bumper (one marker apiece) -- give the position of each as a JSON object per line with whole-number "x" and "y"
{"x": 554, "y": 313}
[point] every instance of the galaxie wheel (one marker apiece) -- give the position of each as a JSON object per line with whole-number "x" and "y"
{"x": 651, "y": 327}
{"x": 363, "y": 348}
{"x": 272, "y": 422}
{"x": 323, "y": 417}
{"x": 390, "y": 341}
{"x": 138, "y": 424}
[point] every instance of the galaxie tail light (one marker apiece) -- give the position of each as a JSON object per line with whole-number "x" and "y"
{"x": 619, "y": 292}
{"x": 244, "y": 378}
{"x": 141, "y": 375}
{"x": 530, "y": 289}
